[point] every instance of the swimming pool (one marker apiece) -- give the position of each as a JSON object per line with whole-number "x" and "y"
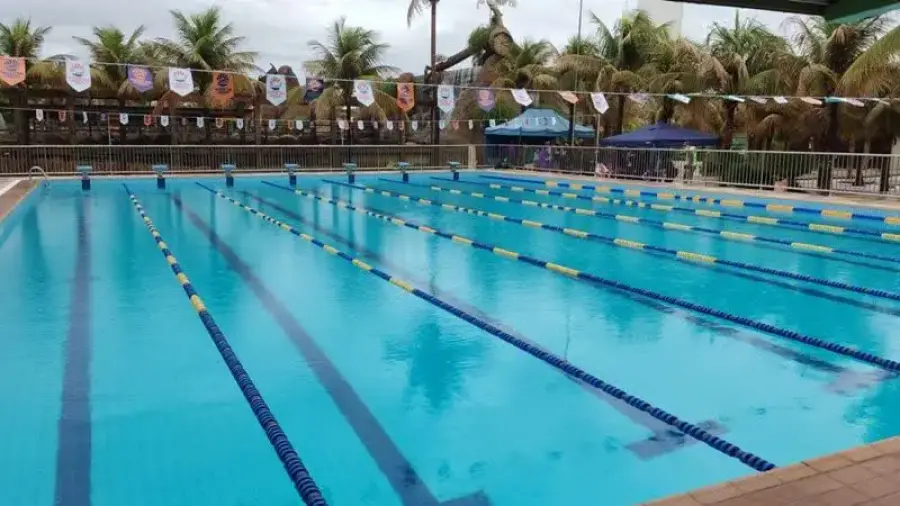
{"x": 432, "y": 343}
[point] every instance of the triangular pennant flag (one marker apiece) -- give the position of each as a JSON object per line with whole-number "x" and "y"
{"x": 522, "y": 97}
{"x": 84, "y": 118}
{"x": 39, "y": 114}
{"x": 222, "y": 88}
{"x": 811, "y": 101}
{"x": 239, "y": 123}
{"x": 455, "y": 124}
{"x": 148, "y": 120}
{"x": 446, "y": 98}
{"x": 61, "y": 115}
{"x": 442, "y": 124}
{"x": 678, "y": 97}
{"x": 492, "y": 122}
{"x": 374, "y": 125}
{"x": 361, "y": 125}
{"x": 471, "y": 125}
{"x": 123, "y": 118}
{"x": 780, "y": 100}
{"x": 640, "y": 98}
{"x": 342, "y": 124}
{"x": 200, "y": 122}
{"x": 759, "y": 100}
{"x": 406, "y": 96}
{"x": 314, "y": 87}
{"x": 181, "y": 81}
{"x": 600, "y": 103}
{"x": 569, "y": 97}
{"x": 220, "y": 122}
{"x": 164, "y": 121}
{"x": 298, "y": 124}
{"x": 272, "y": 124}
{"x": 140, "y": 78}
{"x": 414, "y": 125}
{"x": 486, "y": 99}
{"x": 276, "y": 89}
{"x": 362, "y": 90}
{"x": 855, "y": 102}
{"x": 12, "y": 70}
{"x": 78, "y": 75}
{"x": 389, "y": 124}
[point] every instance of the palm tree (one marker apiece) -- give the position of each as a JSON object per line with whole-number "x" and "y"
{"x": 747, "y": 52}
{"x": 111, "y": 45}
{"x": 20, "y": 39}
{"x": 347, "y": 54}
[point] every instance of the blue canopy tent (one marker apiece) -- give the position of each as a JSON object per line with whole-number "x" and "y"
{"x": 661, "y": 135}
{"x": 534, "y": 126}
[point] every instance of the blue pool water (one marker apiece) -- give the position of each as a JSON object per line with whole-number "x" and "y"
{"x": 115, "y": 394}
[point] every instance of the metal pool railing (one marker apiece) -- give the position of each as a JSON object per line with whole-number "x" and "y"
{"x": 850, "y": 173}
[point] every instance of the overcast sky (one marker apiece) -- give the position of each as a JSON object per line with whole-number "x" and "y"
{"x": 280, "y": 29}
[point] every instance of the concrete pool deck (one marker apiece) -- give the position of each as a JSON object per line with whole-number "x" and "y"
{"x": 11, "y": 193}
{"x": 867, "y": 475}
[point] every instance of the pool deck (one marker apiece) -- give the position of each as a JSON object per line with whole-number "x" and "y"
{"x": 11, "y": 193}
{"x": 866, "y": 475}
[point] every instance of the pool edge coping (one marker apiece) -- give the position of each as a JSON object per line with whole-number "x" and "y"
{"x": 7, "y": 210}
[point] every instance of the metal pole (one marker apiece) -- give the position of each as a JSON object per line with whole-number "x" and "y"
{"x": 578, "y": 52}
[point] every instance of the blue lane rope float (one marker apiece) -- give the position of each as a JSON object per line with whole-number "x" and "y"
{"x": 821, "y": 228}
{"x": 839, "y": 214}
{"x": 296, "y": 470}
{"x": 690, "y": 257}
{"x": 555, "y": 361}
{"x": 666, "y": 225}
{"x": 564, "y": 270}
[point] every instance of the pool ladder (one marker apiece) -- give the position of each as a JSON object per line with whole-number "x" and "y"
{"x": 37, "y": 169}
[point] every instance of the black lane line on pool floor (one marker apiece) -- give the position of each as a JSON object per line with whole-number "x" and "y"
{"x": 717, "y": 266}
{"x": 399, "y": 472}
{"x": 663, "y": 439}
{"x": 846, "y": 381}
{"x": 73, "y": 452}
{"x": 645, "y": 222}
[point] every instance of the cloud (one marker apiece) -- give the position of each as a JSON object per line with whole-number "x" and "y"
{"x": 280, "y": 29}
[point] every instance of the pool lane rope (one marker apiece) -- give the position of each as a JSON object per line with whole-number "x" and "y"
{"x": 296, "y": 470}
{"x": 771, "y": 207}
{"x": 555, "y": 361}
{"x": 824, "y": 228}
{"x": 690, "y": 257}
{"x": 666, "y": 225}
{"x": 564, "y": 270}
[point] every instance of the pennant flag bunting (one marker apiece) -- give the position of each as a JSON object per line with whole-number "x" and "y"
{"x": 759, "y": 100}
{"x": 181, "y": 81}
{"x": 123, "y": 118}
{"x": 389, "y": 124}
{"x": 446, "y": 98}
{"x": 164, "y": 121}
{"x": 414, "y": 125}
{"x": 361, "y": 125}
{"x": 569, "y": 97}
{"x": 342, "y": 124}
{"x": 362, "y": 90}
{"x": 140, "y": 78}
{"x": 12, "y": 70}
{"x": 811, "y": 101}
{"x": 406, "y": 96}
{"x": 486, "y": 99}
{"x": 734, "y": 98}
{"x": 220, "y": 122}
{"x": 780, "y": 100}
{"x": 442, "y": 124}
{"x": 239, "y": 123}
{"x": 200, "y": 122}
{"x": 148, "y": 120}
{"x": 521, "y": 97}
{"x": 222, "y": 88}
{"x": 678, "y": 97}
{"x": 640, "y": 98}
{"x": 471, "y": 125}
{"x": 276, "y": 89}
{"x": 298, "y": 124}
{"x": 272, "y": 124}
{"x": 314, "y": 88}
{"x": 84, "y": 118}
{"x": 600, "y": 103}
{"x": 39, "y": 114}
{"x": 492, "y": 122}
{"x": 78, "y": 75}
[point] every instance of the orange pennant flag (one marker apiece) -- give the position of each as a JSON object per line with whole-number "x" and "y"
{"x": 222, "y": 87}
{"x": 406, "y": 96}
{"x": 12, "y": 70}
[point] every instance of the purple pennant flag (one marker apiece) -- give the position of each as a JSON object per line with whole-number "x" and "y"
{"x": 486, "y": 100}
{"x": 140, "y": 77}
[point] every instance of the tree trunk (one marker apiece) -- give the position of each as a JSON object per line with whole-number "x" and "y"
{"x": 728, "y": 130}
{"x": 123, "y": 134}
{"x": 862, "y": 164}
{"x": 833, "y": 144}
{"x": 620, "y": 114}
{"x": 22, "y": 119}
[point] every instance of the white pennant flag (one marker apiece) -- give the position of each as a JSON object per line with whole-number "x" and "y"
{"x": 361, "y": 125}
{"x": 272, "y": 124}
{"x": 521, "y": 97}
{"x": 199, "y": 121}
{"x": 442, "y": 124}
{"x": 568, "y": 96}
{"x": 374, "y": 125}
{"x": 389, "y": 124}
{"x": 362, "y": 90}
{"x": 276, "y": 89}
{"x": 471, "y": 125}
{"x": 735, "y": 98}
{"x": 600, "y": 103}
{"x": 239, "y": 123}
{"x": 298, "y": 124}
{"x": 446, "y": 98}
{"x": 78, "y": 75}
{"x": 811, "y": 101}
{"x": 84, "y": 118}
{"x": 342, "y": 124}
{"x": 39, "y": 114}
{"x": 678, "y": 97}
{"x": 640, "y": 98}
{"x": 164, "y": 121}
{"x": 759, "y": 100}
{"x": 181, "y": 81}
{"x": 414, "y": 125}
{"x": 492, "y": 122}
{"x": 780, "y": 100}
{"x": 855, "y": 102}
{"x": 123, "y": 118}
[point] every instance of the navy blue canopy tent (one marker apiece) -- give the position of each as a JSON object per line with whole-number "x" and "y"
{"x": 534, "y": 126}
{"x": 661, "y": 135}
